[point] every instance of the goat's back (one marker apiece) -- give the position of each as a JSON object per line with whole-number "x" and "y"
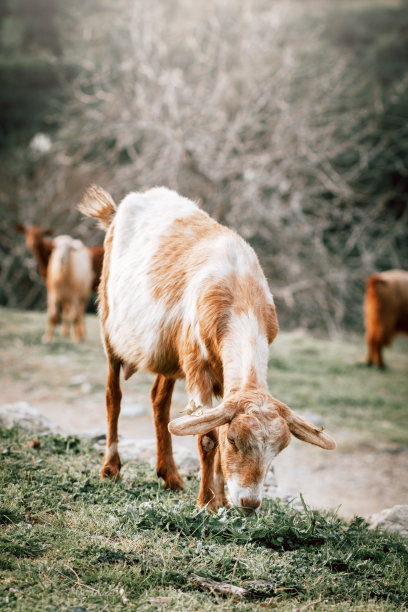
{"x": 386, "y": 302}
{"x": 70, "y": 268}
{"x": 162, "y": 254}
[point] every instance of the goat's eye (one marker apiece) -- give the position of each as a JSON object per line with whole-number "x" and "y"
{"x": 232, "y": 442}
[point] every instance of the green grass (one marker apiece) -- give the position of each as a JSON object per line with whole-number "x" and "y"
{"x": 71, "y": 542}
{"x": 331, "y": 378}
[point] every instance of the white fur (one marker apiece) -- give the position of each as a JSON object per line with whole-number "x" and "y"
{"x": 111, "y": 451}
{"x": 70, "y": 268}
{"x": 245, "y": 348}
{"x": 236, "y": 492}
{"x": 135, "y": 318}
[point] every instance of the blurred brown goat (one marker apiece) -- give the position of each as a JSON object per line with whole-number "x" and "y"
{"x": 39, "y": 243}
{"x": 71, "y": 271}
{"x": 385, "y": 312}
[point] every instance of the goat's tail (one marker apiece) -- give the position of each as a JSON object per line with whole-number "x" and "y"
{"x": 98, "y": 203}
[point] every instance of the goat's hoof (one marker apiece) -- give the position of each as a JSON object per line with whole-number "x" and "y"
{"x": 210, "y": 505}
{"x": 111, "y": 471}
{"x": 175, "y": 483}
{"x": 46, "y": 339}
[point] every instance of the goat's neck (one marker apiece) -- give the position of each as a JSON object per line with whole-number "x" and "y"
{"x": 42, "y": 252}
{"x": 244, "y": 355}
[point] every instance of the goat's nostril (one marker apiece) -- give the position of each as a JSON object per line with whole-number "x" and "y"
{"x": 249, "y": 505}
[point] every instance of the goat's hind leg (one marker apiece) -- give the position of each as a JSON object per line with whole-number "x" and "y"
{"x": 161, "y": 393}
{"x": 53, "y": 316}
{"x": 111, "y": 461}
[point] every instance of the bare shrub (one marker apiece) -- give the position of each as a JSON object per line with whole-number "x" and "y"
{"x": 253, "y": 110}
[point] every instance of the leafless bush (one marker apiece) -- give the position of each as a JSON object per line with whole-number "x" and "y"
{"x": 248, "y": 108}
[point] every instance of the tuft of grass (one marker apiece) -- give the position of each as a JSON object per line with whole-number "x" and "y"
{"x": 70, "y": 541}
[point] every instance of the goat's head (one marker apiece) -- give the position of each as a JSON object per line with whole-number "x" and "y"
{"x": 253, "y": 428}
{"x": 34, "y": 234}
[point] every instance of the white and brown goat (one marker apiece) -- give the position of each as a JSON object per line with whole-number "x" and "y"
{"x": 182, "y": 296}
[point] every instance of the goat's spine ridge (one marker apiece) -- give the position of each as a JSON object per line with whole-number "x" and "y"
{"x": 99, "y": 204}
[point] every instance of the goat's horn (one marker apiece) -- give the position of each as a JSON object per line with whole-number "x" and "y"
{"x": 200, "y": 421}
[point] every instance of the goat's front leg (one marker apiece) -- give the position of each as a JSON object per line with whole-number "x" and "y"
{"x": 80, "y": 319}
{"x": 161, "y": 393}
{"x": 74, "y": 315}
{"x": 199, "y": 385}
{"x": 208, "y": 447}
{"x": 65, "y": 319}
{"x": 111, "y": 462}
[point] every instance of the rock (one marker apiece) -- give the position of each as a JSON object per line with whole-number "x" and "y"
{"x": 394, "y": 520}
{"x": 77, "y": 381}
{"x": 26, "y": 416}
{"x": 145, "y": 450}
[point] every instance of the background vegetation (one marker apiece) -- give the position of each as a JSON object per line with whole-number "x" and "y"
{"x": 287, "y": 120}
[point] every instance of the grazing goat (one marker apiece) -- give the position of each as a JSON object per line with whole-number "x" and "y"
{"x": 182, "y": 296}
{"x": 41, "y": 248}
{"x": 385, "y": 312}
{"x": 69, "y": 284}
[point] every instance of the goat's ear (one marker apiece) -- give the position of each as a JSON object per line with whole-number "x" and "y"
{"x": 304, "y": 430}
{"x": 201, "y": 424}
{"x": 48, "y": 232}
{"x": 19, "y": 228}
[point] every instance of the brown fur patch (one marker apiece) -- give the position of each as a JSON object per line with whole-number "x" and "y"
{"x": 167, "y": 361}
{"x": 180, "y": 254}
{"x": 199, "y": 376}
{"x": 40, "y": 246}
{"x": 385, "y": 311}
{"x": 97, "y": 253}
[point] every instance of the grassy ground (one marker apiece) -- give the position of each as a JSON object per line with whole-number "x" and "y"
{"x": 70, "y": 542}
{"x": 331, "y": 378}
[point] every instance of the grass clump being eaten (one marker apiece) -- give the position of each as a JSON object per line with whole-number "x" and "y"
{"x": 70, "y": 541}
